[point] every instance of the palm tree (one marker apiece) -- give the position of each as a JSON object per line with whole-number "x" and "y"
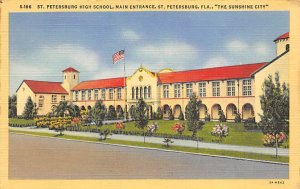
{"x": 64, "y": 108}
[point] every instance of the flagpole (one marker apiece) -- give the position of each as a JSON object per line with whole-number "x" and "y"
{"x": 125, "y": 88}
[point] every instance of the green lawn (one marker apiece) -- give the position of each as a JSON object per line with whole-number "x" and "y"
{"x": 238, "y": 135}
{"x": 21, "y": 121}
{"x": 176, "y": 148}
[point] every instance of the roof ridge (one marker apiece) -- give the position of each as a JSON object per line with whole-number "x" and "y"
{"x": 214, "y": 67}
{"x": 103, "y": 79}
{"x": 42, "y": 81}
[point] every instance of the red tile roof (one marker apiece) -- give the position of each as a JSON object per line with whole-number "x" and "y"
{"x": 283, "y": 36}
{"x": 70, "y": 69}
{"x": 100, "y": 83}
{"x": 209, "y": 74}
{"x": 45, "y": 87}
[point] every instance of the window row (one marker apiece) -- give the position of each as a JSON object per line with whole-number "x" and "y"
{"x": 141, "y": 92}
{"x": 98, "y": 94}
{"x": 41, "y": 100}
{"x": 202, "y": 89}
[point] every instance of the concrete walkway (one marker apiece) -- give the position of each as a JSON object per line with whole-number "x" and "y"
{"x": 177, "y": 142}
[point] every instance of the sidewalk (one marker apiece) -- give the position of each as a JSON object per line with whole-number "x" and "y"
{"x": 177, "y": 142}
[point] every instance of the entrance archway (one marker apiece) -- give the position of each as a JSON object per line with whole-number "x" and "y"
{"x": 231, "y": 111}
{"x": 202, "y": 111}
{"x": 177, "y": 110}
{"x": 247, "y": 111}
{"x": 215, "y": 111}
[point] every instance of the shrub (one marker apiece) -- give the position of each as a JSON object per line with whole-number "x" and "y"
{"x": 181, "y": 116}
{"x": 170, "y": 116}
{"x": 120, "y": 125}
{"x": 222, "y": 117}
{"x": 179, "y": 128}
{"x": 159, "y": 113}
{"x": 270, "y": 140}
{"x": 220, "y": 131}
{"x": 152, "y": 128}
{"x": 238, "y": 118}
{"x": 207, "y": 117}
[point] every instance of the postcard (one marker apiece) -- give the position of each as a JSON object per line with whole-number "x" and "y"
{"x": 149, "y": 94}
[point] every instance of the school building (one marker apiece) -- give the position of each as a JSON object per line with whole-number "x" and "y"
{"x": 230, "y": 89}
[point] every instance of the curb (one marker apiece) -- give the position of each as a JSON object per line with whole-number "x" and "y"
{"x": 157, "y": 149}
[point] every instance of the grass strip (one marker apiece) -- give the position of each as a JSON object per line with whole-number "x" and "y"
{"x": 246, "y": 155}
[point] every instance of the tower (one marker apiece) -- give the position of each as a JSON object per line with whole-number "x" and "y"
{"x": 282, "y": 43}
{"x": 70, "y": 79}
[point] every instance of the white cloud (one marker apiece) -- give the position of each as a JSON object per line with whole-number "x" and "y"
{"x": 130, "y": 35}
{"x": 262, "y": 48}
{"x": 44, "y": 63}
{"x": 173, "y": 54}
{"x": 216, "y": 62}
{"x": 237, "y": 46}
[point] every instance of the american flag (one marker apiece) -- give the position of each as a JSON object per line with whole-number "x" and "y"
{"x": 118, "y": 56}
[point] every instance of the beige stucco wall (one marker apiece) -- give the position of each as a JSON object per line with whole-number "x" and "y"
{"x": 22, "y": 95}
{"x": 280, "y": 65}
{"x": 24, "y": 92}
{"x": 281, "y": 46}
{"x": 144, "y": 78}
{"x": 107, "y": 102}
{"x": 70, "y": 82}
{"x": 209, "y": 101}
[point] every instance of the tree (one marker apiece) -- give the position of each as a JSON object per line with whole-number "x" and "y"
{"x": 140, "y": 117}
{"x": 76, "y": 111}
{"x": 120, "y": 113}
{"x": 64, "y": 108}
{"x": 171, "y": 116}
{"x": 192, "y": 115}
{"x": 275, "y": 106}
{"x": 12, "y": 106}
{"x": 159, "y": 113}
{"x": 28, "y": 109}
{"x": 181, "y": 116}
{"x": 111, "y": 114}
{"x": 98, "y": 112}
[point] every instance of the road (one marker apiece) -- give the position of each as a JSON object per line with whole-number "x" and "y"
{"x": 50, "y": 158}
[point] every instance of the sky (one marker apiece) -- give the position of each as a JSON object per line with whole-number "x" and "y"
{"x": 44, "y": 44}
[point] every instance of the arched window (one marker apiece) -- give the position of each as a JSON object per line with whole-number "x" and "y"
{"x": 145, "y": 92}
{"x": 287, "y": 47}
{"x": 141, "y": 92}
{"x": 149, "y": 92}
{"x": 74, "y": 76}
{"x": 132, "y": 93}
{"x": 137, "y": 93}
{"x": 65, "y": 77}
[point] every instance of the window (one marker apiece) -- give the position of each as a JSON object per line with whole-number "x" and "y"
{"x": 132, "y": 93}
{"x": 96, "y": 94}
{"x": 149, "y": 92}
{"x": 137, "y": 93}
{"x": 141, "y": 92}
{"x": 145, "y": 92}
{"x": 76, "y": 95}
{"x": 177, "y": 91}
{"x": 41, "y": 101}
{"x": 103, "y": 94}
{"x": 74, "y": 76}
{"x": 230, "y": 88}
{"x": 63, "y": 98}
{"x": 54, "y": 99}
{"x": 247, "y": 87}
{"x": 189, "y": 89}
{"x": 119, "y": 94}
{"x": 82, "y": 95}
{"x": 111, "y": 94}
{"x": 166, "y": 91}
{"x": 287, "y": 47}
{"x": 202, "y": 89}
{"x": 89, "y": 95}
{"x": 216, "y": 88}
